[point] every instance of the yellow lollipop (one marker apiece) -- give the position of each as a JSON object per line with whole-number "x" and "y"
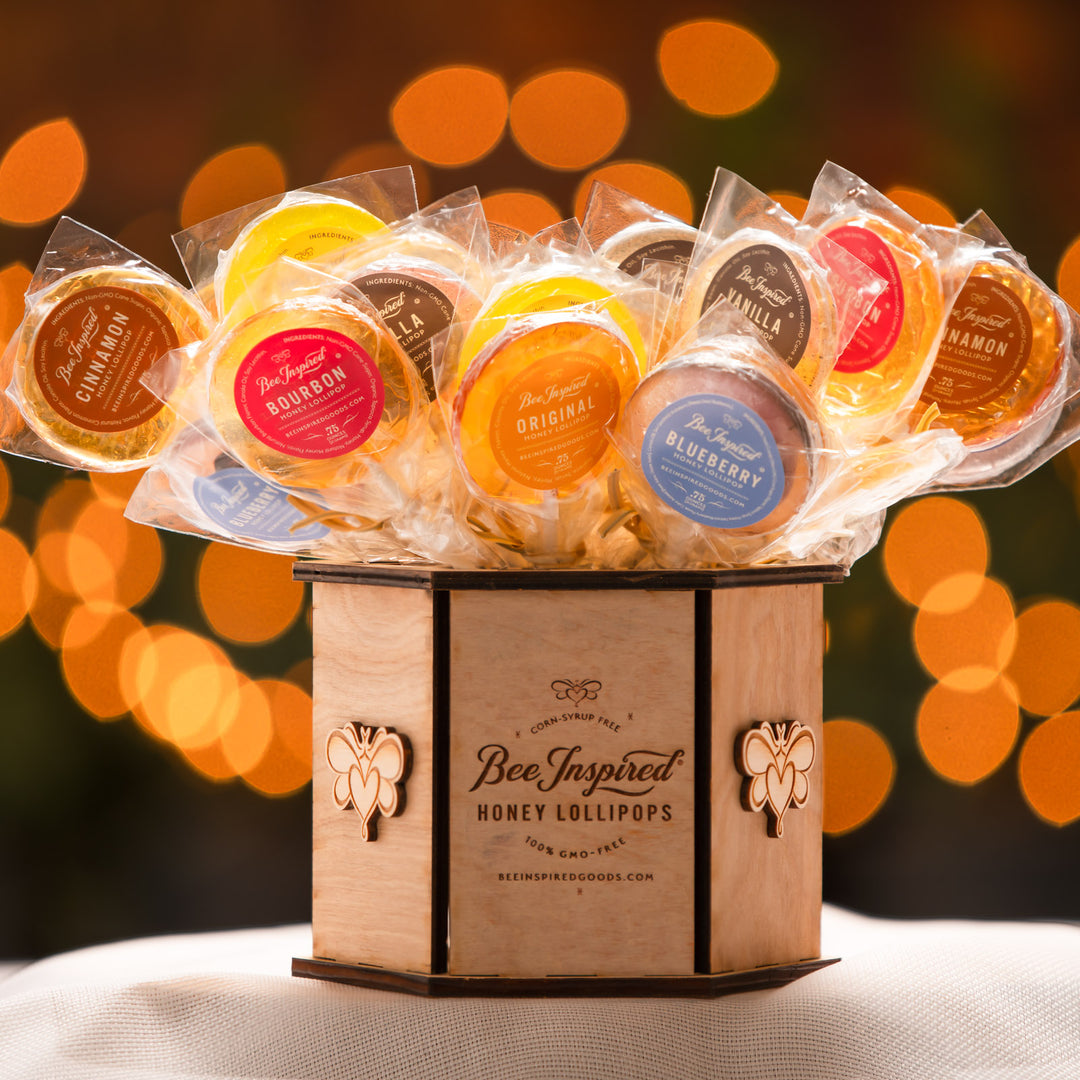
{"x": 549, "y": 292}
{"x": 302, "y": 227}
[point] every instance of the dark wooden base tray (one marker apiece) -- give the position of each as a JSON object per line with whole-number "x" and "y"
{"x": 762, "y": 978}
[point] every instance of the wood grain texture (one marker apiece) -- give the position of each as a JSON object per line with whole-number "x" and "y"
{"x": 522, "y": 902}
{"x": 372, "y": 901}
{"x": 767, "y": 657}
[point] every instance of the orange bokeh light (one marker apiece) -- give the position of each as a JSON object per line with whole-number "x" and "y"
{"x": 286, "y": 764}
{"x": 62, "y": 506}
{"x": 115, "y": 489}
{"x": 451, "y": 116}
{"x": 794, "y": 204}
{"x": 247, "y": 596}
{"x": 1068, "y": 275}
{"x": 528, "y": 211}
{"x": 981, "y": 635}
{"x": 716, "y": 68}
{"x": 382, "y": 155}
{"x": 41, "y": 173}
{"x": 922, "y": 206}
{"x": 180, "y": 687}
{"x": 652, "y": 184}
{"x": 133, "y": 552}
{"x": 247, "y": 738}
{"x": 14, "y": 281}
{"x": 5, "y": 489}
{"x": 930, "y": 540}
{"x": 568, "y": 119}
{"x": 1045, "y": 665}
{"x": 18, "y": 582}
{"x": 233, "y": 178}
{"x": 965, "y": 736}
{"x": 50, "y": 609}
{"x": 93, "y": 641}
{"x": 858, "y": 774}
{"x": 1050, "y": 769}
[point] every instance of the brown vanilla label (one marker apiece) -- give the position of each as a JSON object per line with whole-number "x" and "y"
{"x": 764, "y": 284}
{"x": 90, "y": 352}
{"x": 986, "y": 345}
{"x": 414, "y": 310}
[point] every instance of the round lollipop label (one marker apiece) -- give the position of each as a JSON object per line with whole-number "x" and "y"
{"x": 311, "y": 393}
{"x": 714, "y": 460}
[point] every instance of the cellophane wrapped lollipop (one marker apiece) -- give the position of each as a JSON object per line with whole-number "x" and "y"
{"x": 752, "y": 253}
{"x": 1005, "y": 367}
{"x": 97, "y": 319}
{"x": 722, "y": 443}
{"x": 631, "y": 234}
{"x": 530, "y": 427}
{"x": 877, "y": 379}
{"x": 225, "y": 254}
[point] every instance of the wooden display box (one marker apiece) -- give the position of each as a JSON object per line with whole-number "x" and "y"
{"x": 566, "y": 781}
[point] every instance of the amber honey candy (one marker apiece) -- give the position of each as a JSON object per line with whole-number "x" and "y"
{"x": 999, "y": 357}
{"x": 879, "y": 369}
{"x": 532, "y": 414}
{"x": 308, "y": 391}
{"x": 81, "y": 353}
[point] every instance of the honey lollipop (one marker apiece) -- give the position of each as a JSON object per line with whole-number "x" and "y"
{"x": 725, "y": 436}
{"x": 548, "y": 291}
{"x": 1000, "y": 356}
{"x": 531, "y": 417}
{"x": 780, "y": 288}
{"x": 311, "y": 390}
{"x": 82, "y": 348}
{"x": 303, "y": 226}
{"x": 881, "y": 368}
{"x": 649, "y": 241}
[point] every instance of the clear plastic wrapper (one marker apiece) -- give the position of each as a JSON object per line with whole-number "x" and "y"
{"x": 723, "y": 446}
{"x": 730, "y": 461}
{"x": 1005, "y": 369}
{"x": 630, "y": 233}
{"x": 557, "y": 271}
{"x": 97, "y": 318}
{"x": 529, "y": 425}
{"x": 223, "y": 255}
{"x": 754, "y": 254}
{"x": 196, "y": 488}
{"x": 422, "y": 273}
{"x": 876, "y": 382}
{"x": 310, "y": 392}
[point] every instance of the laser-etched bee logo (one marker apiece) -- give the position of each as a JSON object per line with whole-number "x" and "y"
{"x": 776, "y": 758}
{"x": 576, "y": 691}
{"x": 370, "y": 765}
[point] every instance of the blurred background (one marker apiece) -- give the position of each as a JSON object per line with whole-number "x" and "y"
{"x": 127, "y": 808}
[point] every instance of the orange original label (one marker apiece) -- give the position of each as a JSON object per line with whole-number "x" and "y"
{"x": 90, "y": 352}
{"x": 986, "y": 345}
{"x": 548, "y": 425}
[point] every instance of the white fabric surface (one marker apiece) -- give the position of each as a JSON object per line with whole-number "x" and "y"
{"x": 908, "y": 1001}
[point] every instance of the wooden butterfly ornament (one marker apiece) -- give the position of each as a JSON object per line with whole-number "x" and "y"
{"x": 369, "y": 766}
{"x": 776, "y": 758}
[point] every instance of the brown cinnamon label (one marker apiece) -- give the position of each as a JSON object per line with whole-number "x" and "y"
{"x": 763, "y": 283}
{"x": 90, "y": 352}
{"x": 985, "y": 347}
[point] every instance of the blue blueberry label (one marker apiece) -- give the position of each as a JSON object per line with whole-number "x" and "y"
{"x": 245, "y": 506}
{"x": 713, "y": 460}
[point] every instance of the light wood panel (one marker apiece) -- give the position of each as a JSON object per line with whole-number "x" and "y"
{"x": 767, "y": 656}
{"x": 539, "y": 679}
{"x": 372, "y": 901}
